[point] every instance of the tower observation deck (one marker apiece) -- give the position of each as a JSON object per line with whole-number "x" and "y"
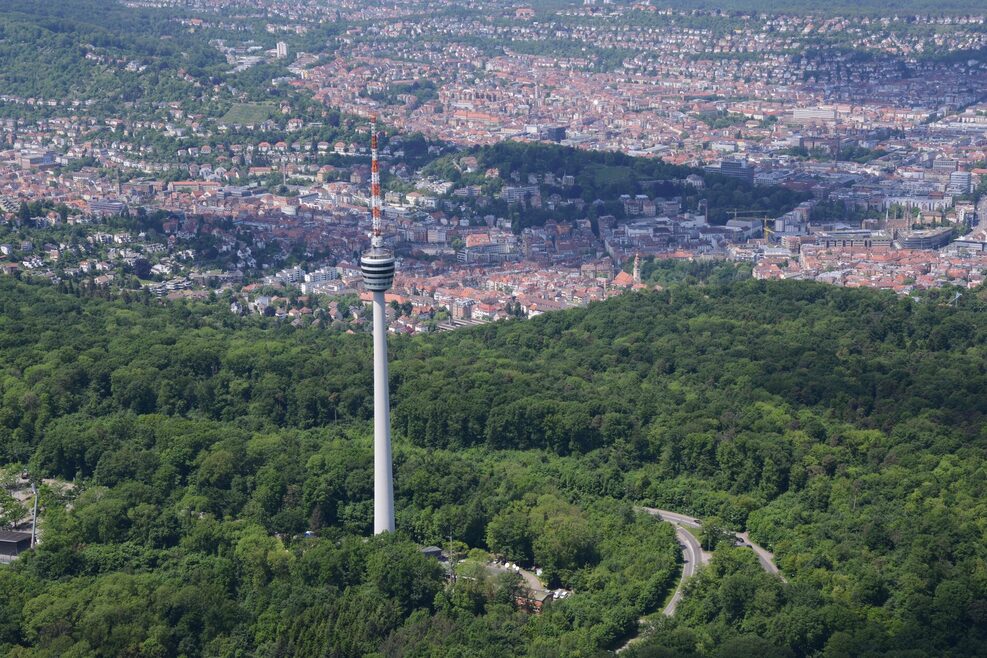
{"x": 377, "y": 266}
{"x": 377, "y": 263}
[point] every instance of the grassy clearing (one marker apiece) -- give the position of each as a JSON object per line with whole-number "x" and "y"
{"x": 247, "y": 113}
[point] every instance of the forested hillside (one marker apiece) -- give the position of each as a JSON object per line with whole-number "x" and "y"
{"x": 844, "y": 428}
{"x": 104, "y": 51}
{"x": 604, "y": 176}
{"x": 58, "y": 50}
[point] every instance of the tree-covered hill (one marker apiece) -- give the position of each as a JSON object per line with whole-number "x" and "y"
{"x": 526, "y": 158}
{"x": 605, "y": 176}
{"x": 844, "y": 428}
{"x": 80, "y": 49}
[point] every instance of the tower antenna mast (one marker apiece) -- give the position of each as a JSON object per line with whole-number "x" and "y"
{"x": 376, "y": 238}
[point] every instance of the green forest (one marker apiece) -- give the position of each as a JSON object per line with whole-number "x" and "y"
{"x": 222, "y": 472}
{"x": 106, "y": 52}
{"x": 64, "y": 49}
{"x": 603, "y": 176}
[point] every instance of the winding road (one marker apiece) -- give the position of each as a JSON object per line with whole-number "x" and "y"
{"x": 693, "y": 555}
{"x": 764, "y": 556}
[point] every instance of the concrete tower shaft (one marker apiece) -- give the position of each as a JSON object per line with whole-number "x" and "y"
{"x": 383, "y": 478}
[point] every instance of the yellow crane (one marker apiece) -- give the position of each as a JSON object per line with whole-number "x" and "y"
{"x": 762, "y": 215}
{"x": 769, "y": 233}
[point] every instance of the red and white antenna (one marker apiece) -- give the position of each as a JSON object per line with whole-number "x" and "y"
{"x": 376, "y": 239}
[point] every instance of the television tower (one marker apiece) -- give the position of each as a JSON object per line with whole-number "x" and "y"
{"x": 377, "y": 265}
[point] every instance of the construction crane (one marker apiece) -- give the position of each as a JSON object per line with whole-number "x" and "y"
{"x": 756, "y": 214}
{"x": 768, "y": 233}
{"x": 747, "y": 214}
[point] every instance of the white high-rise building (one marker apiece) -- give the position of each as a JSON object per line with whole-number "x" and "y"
{"x": 282, "y": 50}
{"x": 960, "y": 182}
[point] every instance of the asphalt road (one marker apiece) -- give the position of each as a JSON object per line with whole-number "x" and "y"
{"x": 764, "y": 556}
{"x": 693, "y": 555}
{"x": 673, "y": 517}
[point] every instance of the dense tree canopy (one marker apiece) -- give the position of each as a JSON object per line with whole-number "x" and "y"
{"x": 844, "y": 428}
{"x": 57, "y": 50}
{"x": 602, "y": 177}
